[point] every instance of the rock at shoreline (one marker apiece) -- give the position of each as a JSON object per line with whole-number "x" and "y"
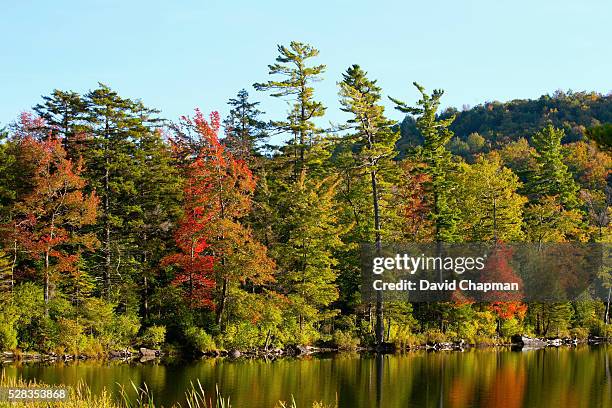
{"x": 529, "y": 342}
{"x": 145, "y": 352}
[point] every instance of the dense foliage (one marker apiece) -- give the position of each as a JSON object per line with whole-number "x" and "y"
{"x": 120, "y": 229}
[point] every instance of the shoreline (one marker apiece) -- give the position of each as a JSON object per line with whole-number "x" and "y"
{"x": 519, "y": 343}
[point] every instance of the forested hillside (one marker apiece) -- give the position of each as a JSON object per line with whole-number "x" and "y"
{"x": 503, "y": 122}
{"x": 120, "y": 229}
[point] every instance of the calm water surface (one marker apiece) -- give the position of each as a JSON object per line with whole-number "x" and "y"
{"x": 562, "y": 377}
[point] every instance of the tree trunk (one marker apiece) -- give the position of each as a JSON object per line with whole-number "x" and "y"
{"x": 106, "y": 278}
{"x": 607, "y": 317}
{"x": 13, "y": 265}
{"x": 380, "y": 325}
{"x": 46, "y": 284}
{"x": 222, "y": 301}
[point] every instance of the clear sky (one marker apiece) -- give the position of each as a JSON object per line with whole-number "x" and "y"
{"x": 178, "y": 55}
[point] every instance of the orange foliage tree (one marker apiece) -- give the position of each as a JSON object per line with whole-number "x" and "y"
{"x": 215, "y": 246}
{"x": 48, "y": 219}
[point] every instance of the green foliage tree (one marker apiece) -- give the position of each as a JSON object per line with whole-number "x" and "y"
{"x": 244, "y": 130}
{"x": 436, "y": 135}
{"x": 490, "y": 206}
{"x": 292, "y": 65}
{"x": 552, "y": 176}
{"x": 306, "y": 258}
{"x": 116, "y": 126}
{"x": 64, "y": 113}
{"x": 602, "y": 135}
{"x": 375, "y": 141}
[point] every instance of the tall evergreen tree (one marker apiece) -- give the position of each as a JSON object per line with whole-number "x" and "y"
{"x": 436, "y": 135}
{"x": 292, "y": 65}
{"x": 244, "y": 131}
{"x": 157, "y": 209}
{"x": 64, "y": 113}
{"x": 552, "y": 177}
{"x": 375, "y": 142}
{"x": 116, "y": 125}
{"x": 306, "y": 257}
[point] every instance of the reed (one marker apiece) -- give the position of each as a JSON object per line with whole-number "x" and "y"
{"x": 81, "y": 396}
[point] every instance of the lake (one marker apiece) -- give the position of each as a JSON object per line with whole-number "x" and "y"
{"x": 563, "y": 377}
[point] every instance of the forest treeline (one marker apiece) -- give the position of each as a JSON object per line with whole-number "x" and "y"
{"x": 119, "y": 228}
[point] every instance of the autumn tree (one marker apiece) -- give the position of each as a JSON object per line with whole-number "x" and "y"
{"x": 549, "y": 221}
{"x": 217, "y": 197}
{"x": 49, "y": 218}
{"x": 498, "y": 268}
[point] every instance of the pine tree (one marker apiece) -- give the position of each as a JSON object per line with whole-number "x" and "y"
{"x": 292, "y": 64}
{"x": 157, "y": 209}
{"x": 116, "y": 125}
{"x": 375, "y": 141}
{"x": 436, "y": 135}
{"x": 440, "y": 184}
{"x": 244, "y": 131}
{"x": 306, "y": 256}
{"x": 552, "y": 177}
{"x": 64, "y": 113}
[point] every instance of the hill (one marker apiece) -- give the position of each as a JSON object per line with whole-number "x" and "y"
{"x": 502, "y": 122}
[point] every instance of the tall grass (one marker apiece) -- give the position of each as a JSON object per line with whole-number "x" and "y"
{"x": 82, "y": 397}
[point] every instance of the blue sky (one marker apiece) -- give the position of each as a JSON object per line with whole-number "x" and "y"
{"x": 178, "y": 55}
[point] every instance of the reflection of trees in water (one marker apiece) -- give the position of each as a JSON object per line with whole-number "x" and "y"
{"x": 564, "y": 377}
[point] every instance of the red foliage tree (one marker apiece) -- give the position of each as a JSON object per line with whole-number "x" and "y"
{"x": 48, "y": 218}
{"x": 505, "y": 305}
{"x": 216, "y": 249}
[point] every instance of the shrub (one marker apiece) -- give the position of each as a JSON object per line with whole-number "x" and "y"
{"x": 90, "y": 346}
{"x": 580, "y": 333}
{"x": 8, "y": 335}
{"x": 153, "y": 336}
{"x": 510, "y": 327}
{"x": 199, "y": 340}
{"x": 344, "y": 340}
{"x": 434, "y": 336}
{"x": 403, "y": 337}
{"x": 8, "y": 332}
{"x": 69, "y": 337}
{"x": 241, "y": 336}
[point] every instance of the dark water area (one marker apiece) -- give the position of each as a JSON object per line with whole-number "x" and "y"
{"x": 563, "y": 377}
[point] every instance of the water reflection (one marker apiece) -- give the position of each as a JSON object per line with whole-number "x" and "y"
{"x": 543, "y": 378}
